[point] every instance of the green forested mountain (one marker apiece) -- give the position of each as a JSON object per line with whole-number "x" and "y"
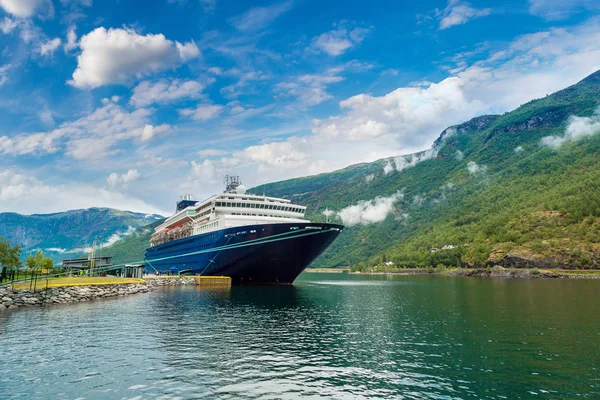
{"x": 519, "y": 189}
{"x": 499, "y": 189}
{"x": 132, "y": 247}
{"x": 68, "y": 234}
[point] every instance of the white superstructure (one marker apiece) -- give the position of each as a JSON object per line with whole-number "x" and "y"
{"x": 228, "y": 210}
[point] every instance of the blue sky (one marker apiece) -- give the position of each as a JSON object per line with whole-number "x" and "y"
{"x": 129, "y": 104}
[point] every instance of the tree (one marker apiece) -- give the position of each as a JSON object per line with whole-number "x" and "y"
{"x": 10, "y": 256}
{"x": 39, "y": 261}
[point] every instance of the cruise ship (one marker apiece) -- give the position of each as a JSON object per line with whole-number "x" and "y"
{"x": 250, "y": 238}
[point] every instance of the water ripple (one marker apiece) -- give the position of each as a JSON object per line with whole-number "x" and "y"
{"x": 407, "y": 338}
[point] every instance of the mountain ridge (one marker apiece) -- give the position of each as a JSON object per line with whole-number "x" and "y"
{"x": 488, "y": 192}
{"x": 70, "y": 233}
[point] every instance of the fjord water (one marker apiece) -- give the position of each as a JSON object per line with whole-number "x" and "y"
{"x": 328, "y": 336}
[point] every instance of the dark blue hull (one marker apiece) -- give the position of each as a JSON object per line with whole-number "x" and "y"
{"x": 269, "y": 253}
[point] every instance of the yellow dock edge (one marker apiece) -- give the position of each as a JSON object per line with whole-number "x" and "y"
{"x": 220, "y": 281}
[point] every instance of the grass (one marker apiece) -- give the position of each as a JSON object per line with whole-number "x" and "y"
{"x": 76, "y": 281}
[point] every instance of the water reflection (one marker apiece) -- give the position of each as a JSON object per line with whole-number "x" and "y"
{"x": 333, "y": 336}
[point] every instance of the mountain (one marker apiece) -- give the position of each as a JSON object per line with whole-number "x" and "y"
{"x": 518, "y": 189}
{"x": 132, "y": 247}
{"x": 71, "y": 233}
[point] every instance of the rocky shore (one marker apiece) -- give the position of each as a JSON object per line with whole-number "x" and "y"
{"x": 495, "y": 272}
{"x": 10, "y": 298}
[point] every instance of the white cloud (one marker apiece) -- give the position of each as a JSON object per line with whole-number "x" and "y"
{"x": 205, "y": 171}
{"x": 371, "y": 211}
{"x": 202, "y": 112}
{"x": 578, "y": 128}
{"x": 277, "y": 155}
{"x": 476, "y": 169}
{"x": 459, "y": 12}
{"x": 150, "y": 131}
{"x": 115, "y": 179}
{"x": 405, "y": 113}
{"x": 408, "y": 119}
{"x": 409, "y": 161}
{"x": 49, "y": 47}
{"x": 24, "y": 8}
{"x": 7, "y": 25}
{"x": 26, "y": 194}
{"x": 212, "y": 153}
{"x": 459, "y": 155}
{"x": 369, "y": 178}
{"x": 165, "y": 91}
{"x": 518, "y": 149}
{"x": 560, "y": 9}
{"x": 337, "y": 41}
{"x": 85, "y": 3}
{"x": 259, "y": 17}
{"x": 388, "y": 167}
{"x": 117, "y": 56}
{"x": 309, "y": 89}
{"x": 47, "y": 118}
{"x": 71, "y": 43}
{"x": 90, "y": 137}
{"x": 4, "y": 75}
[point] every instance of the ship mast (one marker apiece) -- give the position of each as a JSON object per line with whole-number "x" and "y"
{"x": 231, "y": 183}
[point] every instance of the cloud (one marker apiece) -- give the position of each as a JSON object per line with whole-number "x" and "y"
{"x": 212, "y": 153}
{"x": 204, "y": 171}
{"x": 277, "y": 154}
{"x": 409, "y": 161}
{"x": 388, "y": 167}
{"x": 115, "y": 237}
{"x": 93, "y": 136}
{"x": 369, "y": 178}
{"x": 404, "y": 113}
{"x": 117, "y": 56}
{"x": 25, "y": 8}
{"x": 203, "y": 112}
{"x": 459, "y": 12}
{"x": 22, "y": 193}
{"x": 577, "y": 128}
{"x": 560, "y": 9}
{"x": 47, "y": 118}
{"x": 337, "y": 41}
{"x": 309, "y": 89}
{"x": 49, "y": 47}
{"x": 519, "y": 149}
{"x": 459, "y": 155}
{"x": 71, "y": 43}
{"x": 7, "y": 25}
{"x": 370, "y": 211}
{"x": 149, "y": 131}
{"x": 408, "y": 120}
{"x": 476, "y": 169}
{"x": 165, "y": 91}
{"x": 115, "y": 179}
{"x": 4, "y": 74}
{"x": 259, "y": 18}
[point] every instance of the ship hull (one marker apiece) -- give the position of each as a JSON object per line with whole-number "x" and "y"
{"x": 269, "y": 253}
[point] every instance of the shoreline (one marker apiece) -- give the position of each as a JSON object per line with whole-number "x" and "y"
{"x": 495, "y": 272}
{"x": 11, "y": 298}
